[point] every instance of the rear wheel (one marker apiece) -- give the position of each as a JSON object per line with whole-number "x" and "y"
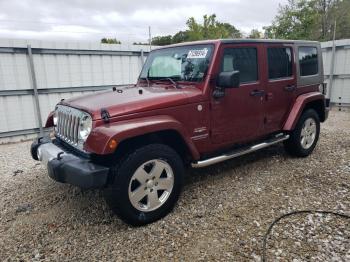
{"x": 147, "y": 184}
{"x": 304, "y": 137}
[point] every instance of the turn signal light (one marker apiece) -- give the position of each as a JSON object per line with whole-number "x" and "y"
{"x": 112, "y": 144}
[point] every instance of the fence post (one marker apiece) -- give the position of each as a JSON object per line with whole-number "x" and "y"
{"x": 331, "y": 73}
{"x": 142, "y": 58}
{"x": 35, "y": 88}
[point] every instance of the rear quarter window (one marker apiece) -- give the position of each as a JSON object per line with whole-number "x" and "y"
{"x": 308, "y": 61}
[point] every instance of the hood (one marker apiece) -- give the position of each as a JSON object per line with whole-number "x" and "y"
{"x": 129, "y": 100}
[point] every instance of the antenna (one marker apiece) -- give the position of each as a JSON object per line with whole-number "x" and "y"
{"x": 149, "y": 38}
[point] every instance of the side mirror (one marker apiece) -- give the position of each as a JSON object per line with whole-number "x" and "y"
{"x": 228, "y": 79}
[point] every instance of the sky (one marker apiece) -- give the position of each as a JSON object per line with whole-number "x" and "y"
{"x": 128, "y": 21}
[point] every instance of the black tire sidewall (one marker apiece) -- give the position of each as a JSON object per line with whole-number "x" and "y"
{"x": 117, "y": 194}
{"x": 34, "y": 149}
{"x": 295, "y": 136}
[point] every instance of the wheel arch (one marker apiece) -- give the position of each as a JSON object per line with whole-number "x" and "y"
{"x": 314, "y": 100}
{"x": 130, "y": 133}
{"x": 169, "y": 137}
{"x": 319, "y": 107}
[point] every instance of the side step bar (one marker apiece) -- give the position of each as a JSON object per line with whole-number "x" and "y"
{"x": 239, "y": 152}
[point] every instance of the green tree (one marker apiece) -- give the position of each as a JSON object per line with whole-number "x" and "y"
{"x": 110, "y": 41}
{"x": 209, "y": 29}
{"x": 232, "y": 32}
{"x": 162, "y": 40}
{"x": 194, "y": 30}
{"x": 311, "y": 19}
{"x": 181, "y": 36}
{"x": 341, "y": 13}
{"x": 255, "y": 34}
{"x": 296, "y": 20}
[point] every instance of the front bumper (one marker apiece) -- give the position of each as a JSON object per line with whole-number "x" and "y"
{"x": 68, "y": 168}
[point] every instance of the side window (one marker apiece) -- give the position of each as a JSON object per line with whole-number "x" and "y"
{"x": 244, "y": 60}
{"x": 280, "y": 62}
{"x": 308, "y": 61}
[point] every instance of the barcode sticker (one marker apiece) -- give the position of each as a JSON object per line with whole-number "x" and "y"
{"x": 199, "y": 53}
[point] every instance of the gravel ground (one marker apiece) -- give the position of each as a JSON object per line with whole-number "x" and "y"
{"x": 223, "y": 213}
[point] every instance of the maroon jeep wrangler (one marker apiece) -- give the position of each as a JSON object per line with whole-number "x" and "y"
{"x": 195, "y": 104}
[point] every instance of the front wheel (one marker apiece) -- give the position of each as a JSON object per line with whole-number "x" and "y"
{"x": 304, "y": 137}
{"x": 147, "y": 184}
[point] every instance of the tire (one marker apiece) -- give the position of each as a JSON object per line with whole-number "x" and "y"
{"x": 34, "y": 150}
{"x": 304, "y": 137}
{"x": 146, "y": 171}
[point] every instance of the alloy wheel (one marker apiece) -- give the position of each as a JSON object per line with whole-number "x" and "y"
{"x": 308, "y": 133}
{"x": 151, "y": 185}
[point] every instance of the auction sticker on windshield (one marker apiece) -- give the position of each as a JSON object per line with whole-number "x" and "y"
{"x": 198, "y": 53}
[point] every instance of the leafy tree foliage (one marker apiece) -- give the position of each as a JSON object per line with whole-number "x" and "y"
{"x": 110, "y": 41}
{"x": 209, "y": 29}
{"x": 311, "y": 19}
{"x": 255, "y": 34}
{"x": 179, "y": 37}
{"x": 342, "y": 14}
{"x": 162, "y": 40}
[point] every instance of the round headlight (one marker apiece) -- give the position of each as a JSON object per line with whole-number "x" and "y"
{"x": 85, "y": 127}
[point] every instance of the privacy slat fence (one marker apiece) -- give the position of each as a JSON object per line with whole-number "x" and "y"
{"x": 58, "y": 70}
{"x": 340, "y": 92}
{"x": 67, "y": 69}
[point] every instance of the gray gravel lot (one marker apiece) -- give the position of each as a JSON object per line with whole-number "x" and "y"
{"x": 223, "y": 213}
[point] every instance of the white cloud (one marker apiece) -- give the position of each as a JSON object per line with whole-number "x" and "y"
{"x": 42, "y": 35}
{"x": 125, "y": 20}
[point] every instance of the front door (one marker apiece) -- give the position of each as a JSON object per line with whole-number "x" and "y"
{"x": 238, "y": 116}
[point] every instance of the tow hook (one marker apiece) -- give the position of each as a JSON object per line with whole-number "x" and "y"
{"x": 59, "y": 155}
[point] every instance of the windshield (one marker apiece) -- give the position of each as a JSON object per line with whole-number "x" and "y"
{"x": 183, "y": 63}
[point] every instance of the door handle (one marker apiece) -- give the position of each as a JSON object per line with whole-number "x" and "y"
{"x": 257, "y": 93}
{"x": 289, "y": 88}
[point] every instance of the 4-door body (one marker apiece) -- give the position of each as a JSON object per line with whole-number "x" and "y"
{"x": 227, "y": 98}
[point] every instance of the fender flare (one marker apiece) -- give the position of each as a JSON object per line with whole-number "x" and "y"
{"x": 99, "y": 138}
{"x": 298, "y": 107}
{"x": 49, "y": 120}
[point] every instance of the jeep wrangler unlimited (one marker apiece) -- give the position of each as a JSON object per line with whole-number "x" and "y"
{"x": 194, "y": 104}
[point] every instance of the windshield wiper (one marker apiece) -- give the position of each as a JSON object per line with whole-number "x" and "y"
{"x": 176, "y": 85}
{"x": 147, "y": 80}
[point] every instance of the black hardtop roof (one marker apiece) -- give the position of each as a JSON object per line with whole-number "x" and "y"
{"x": 228, "y": 41}
{"x": 243, "y": 40}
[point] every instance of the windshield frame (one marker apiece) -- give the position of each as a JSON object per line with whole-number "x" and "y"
{"x": 195, "y": 46}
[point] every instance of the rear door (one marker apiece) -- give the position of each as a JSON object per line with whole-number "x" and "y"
{"x": 281, "y": 85}
{"x": 238, "y": 116}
